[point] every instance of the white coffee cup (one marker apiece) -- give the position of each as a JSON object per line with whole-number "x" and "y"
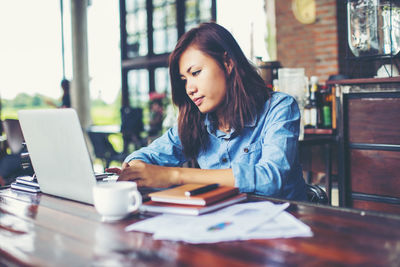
{"x": 115, "y": 201}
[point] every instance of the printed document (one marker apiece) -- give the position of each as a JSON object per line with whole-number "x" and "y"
{"x": 245, "y": 221}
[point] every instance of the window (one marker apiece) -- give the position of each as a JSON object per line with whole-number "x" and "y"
{"x": 165, "y": 29}
{"x": 138, "y": 83}
{"x": 149, "y": 32}
{"x": 136, "y": 28}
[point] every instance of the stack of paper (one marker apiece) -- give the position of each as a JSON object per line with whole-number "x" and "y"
{"x": 255, "y": 220}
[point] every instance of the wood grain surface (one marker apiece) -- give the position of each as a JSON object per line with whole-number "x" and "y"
{"x": 41, "y": 230}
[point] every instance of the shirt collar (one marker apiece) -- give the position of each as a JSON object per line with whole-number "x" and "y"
{"x": 209, "y": 125}
{"x": 252, "y": 123}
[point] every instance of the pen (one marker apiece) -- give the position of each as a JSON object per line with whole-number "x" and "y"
{"x": 200, "y": 190}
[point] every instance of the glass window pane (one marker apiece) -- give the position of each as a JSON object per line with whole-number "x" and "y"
{"x": 172, "y": 38}
{"x": 159, "y": 41}
{"x": 157, "y": 3}
{"x": 129, "y": 6}
{"x": 131, "y": 26}
{"x": 163, "y": 86}
{"x": 132, "y": 5}
{"x": 164, "y": 24}
{"x": 142, "y": 19}
{"x": 158, "y": 18}
{"x": 143, "y": 44}
{"x": 205, "y": 10}
{"x": 190, "y": 6}
{"x": 136, "y": 28}
{"x": 138, "y": 86}
{"x": 197, "y": 11}
{"x": 171, "y": 15}
{"x": 162, "y": 83}
{"x": 164, "y": 41}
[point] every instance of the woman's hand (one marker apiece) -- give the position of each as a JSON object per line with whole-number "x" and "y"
{"x": 145, "y": 174}
{"x": 116, "y": 170}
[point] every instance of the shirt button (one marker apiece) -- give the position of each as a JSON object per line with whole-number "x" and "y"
{"x": 224, "y": 160}
{"x": 246, "y": 150}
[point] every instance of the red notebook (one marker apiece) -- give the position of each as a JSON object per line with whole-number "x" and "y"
{"x": 160, "y": 207}
{"x": 177, "y": 195}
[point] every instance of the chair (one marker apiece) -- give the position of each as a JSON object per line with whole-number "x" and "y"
{"x": 17, "y": 163}
{"x": 132, "y": 127}
{"x": 15, "y": 138}
{"x": 316, "y": 194}
{"x": 103, "y": 149}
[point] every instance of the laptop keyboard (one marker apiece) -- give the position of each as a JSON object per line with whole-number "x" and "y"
{"x": 105, "y": 176}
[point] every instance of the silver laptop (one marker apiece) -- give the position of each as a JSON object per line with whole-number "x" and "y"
{"x": 58, "y": 152}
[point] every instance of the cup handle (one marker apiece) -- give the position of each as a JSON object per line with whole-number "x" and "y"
{"x": 135, "y": 195}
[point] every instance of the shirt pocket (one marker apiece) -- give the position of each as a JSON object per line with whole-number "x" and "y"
{"x": 251, "y": 154}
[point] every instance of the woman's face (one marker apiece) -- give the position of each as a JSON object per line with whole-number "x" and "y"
{"x": 205, "y": 80}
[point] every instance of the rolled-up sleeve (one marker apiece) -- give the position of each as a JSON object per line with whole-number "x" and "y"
{"x": 278, "y": 152}
{"x": 164, "y": 151}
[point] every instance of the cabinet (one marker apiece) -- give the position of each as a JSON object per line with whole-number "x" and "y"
{"x": 369, "y": 143}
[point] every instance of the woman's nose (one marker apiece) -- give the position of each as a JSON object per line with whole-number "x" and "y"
{"x": 190, "y": 87}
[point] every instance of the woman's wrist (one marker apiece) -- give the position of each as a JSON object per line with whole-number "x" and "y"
{"x": 175, "y": 175}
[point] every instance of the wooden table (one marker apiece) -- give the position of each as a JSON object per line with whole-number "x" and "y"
{"x": 41, "y": 230}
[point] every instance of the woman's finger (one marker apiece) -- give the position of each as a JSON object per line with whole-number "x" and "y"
{"x": 114, "y": 170}
{"x": 125, "y": 165}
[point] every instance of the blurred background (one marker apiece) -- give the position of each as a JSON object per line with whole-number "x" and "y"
{"x": 128, "y": 43}
{"x": 115, "y": 56}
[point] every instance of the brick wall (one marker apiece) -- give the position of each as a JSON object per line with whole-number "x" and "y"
{"x": 313, "y": 46}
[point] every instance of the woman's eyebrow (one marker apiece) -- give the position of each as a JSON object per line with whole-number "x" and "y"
{"x": 188, "y": 70}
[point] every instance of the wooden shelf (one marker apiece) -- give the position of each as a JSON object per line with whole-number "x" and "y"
{"x": 365, "y": 81}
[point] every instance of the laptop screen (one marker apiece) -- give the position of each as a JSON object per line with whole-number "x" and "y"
{"x": 58, "y": 152}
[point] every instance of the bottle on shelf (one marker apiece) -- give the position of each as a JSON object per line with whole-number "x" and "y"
{"x": 307, "y": 106}
{"x": 326, "y": 107}
{"x": 333, "y": 110}
{"x": 313, "y": 102}
{"x": 275, "y": 85}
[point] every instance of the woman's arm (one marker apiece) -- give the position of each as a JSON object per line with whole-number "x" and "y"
{"x": 157, "y": 165}
{"x": 160, "y": 176}
{"x": 164, "y": 151}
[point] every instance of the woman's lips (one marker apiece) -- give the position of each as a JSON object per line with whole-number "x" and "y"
{"x": 197, "y": 101}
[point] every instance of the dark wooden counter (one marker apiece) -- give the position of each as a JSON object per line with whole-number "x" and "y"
{"x": 368, "y": 113}
{"x": 40, "y": 230}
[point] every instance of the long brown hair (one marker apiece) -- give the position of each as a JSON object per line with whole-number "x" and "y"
{"x": 246, "y": 90}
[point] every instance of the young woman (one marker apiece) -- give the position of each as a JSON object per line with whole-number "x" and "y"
{"x": 240, "y": 133}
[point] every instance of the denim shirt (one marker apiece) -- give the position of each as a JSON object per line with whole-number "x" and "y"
{"x": 263, "y": 156}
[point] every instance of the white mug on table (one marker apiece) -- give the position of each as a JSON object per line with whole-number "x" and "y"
{"x": 115, "y": 201}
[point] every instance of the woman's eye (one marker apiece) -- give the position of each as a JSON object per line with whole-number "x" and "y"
{"x": 195, "y": 73}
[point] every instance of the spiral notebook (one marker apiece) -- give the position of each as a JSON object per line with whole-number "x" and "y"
{"x": 177, "y": 195}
